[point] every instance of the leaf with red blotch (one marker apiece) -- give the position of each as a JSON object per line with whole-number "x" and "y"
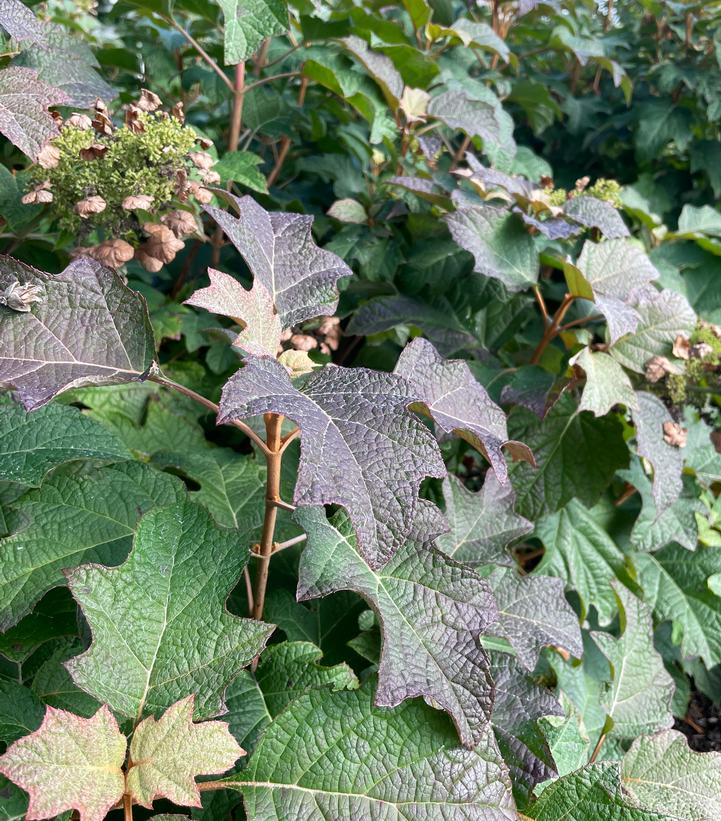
{"x": 84, "y": 327}
{"x": 24, "y": 103}
{"x": 168, "y": 753}
{"x": 459, "y": 404}
{"x": 20, "y": 23}
{"x": 360, "y": 446}
{"x": 69, "y": 763}
{"x": 281, "y": 253}
{"x": 253, "y": 309}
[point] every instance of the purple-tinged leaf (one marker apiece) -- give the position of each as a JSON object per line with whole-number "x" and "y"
{"x": 459, "y": 404}
{"x": 484, "y": 118}
{"x": 533, "y": 613}
{"x": 254, "y": 309}
{"x": 594, "y": 213}
{"x": 379, "y": 66}
{"x": 19, "y": 22}
{"x": 88, "y": 328}
{"x": 360, "y": 446}
{"x": 553, "y": 227}
{"x": 667, "y": 460}
{"x": 439, "y": 659}
{"x": 24, "y": 102}
{"x": 281, "y": 253}
{"x": 482, "y": 524}
{"x": 425, "y": 189}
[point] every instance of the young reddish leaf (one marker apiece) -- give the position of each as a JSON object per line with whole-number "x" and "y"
{"x": 482, "y": 524}
{"x": 167, "y": 754}
{"x": 87, "y": 328}
{"x": 24, "y": 102}
{"x": 254, "y": 309}
{"x": 422, "y": 655}
{"x": 281, "y": 253}
{"x": 459, "y": 404}
{"x": 69, "y": 763}
{"x": 160, "y": 629}
{"x": 360, "y": 447}
{"x": 20, "y": 23}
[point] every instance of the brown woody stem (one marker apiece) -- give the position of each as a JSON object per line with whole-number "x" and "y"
{"x": 128, "y": 806}
{"x": 597, "y": 749}
{"x": 553, "y": 329}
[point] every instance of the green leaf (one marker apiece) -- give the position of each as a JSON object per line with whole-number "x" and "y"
{"x": 592, "y": 792}
{"x": 168, "y": 753}
{"x": 501, "y": 246}
{"x": 483, "y": 524}
{"x": 33, "y": 444}
{"x": 189, "y": 566}
{"x": 580, "y": 551}
{"x": 421, "y": 656}
{"x": 564, "y": 443}
{"x": 54, "y": 617}
{"x": 53, "y": 685}
{"x": 639, "y": 698}
{"x": 116, "y": 345}
{"x": 607, "y": 384}
{"x": 74, "y": 517}
{"x": 16, "y": 214}
{"x": 380, "y": 68}
{"x": 334, "y": 754}
{"x": 248, "y": 23}
{"x": 241, "y": 167}
{"x": 285, "y": 672}
{"x": 567, "y": 739}
{"x": 20, "y": 711}
{"x": 533, "y": 613}
{"x": 69, "y": 763}
{"x": 663, "y": 774}
{"x": 676, "y": 585}
{"x": 693, "y": 221}
{"x": 664, "y": 316}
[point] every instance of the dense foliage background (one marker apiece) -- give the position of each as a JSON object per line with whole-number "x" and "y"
{"x": 528, "y": 186}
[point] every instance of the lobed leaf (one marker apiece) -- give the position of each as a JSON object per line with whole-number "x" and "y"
{"x": 248, "y": 23}
{"x": 607, "y": 384}
{"x": 360, "y": 447}
{"x": 41, "y": 351}
{"x": 19, "y": 22}
{"x": 421, "y": 655}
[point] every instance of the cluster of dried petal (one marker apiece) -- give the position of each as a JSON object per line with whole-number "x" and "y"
{"x": 149, "y": 101}
{"x": 89, "y": 206}
{"x": 102, "y": 124}
{"x": 93, "y": 152}
{"x": 177, "y": 112}
{"x": 135, "y": 201}
{"x": 80, "y": 121}
{"x": 674, "y": 434}
{"x": 201, "y": 160}
{"x": 204, "y": 143}
{"x": 681, "y": 347}
{"x": 160, "y": 248}
{"x": 701, "y": 350}
{"x": 49, "y": 156}
{"x": 582, "y": 184}
{"x": 39, "y": 195}
{"x": 19, "y": 297}
{"x": 133, "y": 120}
{"x": 196, "y": 190}
{"x": 113, "y": 252}
{"x": 331, "y": 333}
{"x": 657, "y": 368}
{"x": 709, "y": 326}
{"x": 303, "y": 342}
{"x": 181, "y": 223}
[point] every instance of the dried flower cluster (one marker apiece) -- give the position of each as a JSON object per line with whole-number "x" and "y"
{"x": 126, "y": 192}
{"x": 323, "y": 335}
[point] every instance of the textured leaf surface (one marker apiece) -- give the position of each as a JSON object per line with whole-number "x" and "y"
{"x": 579, "y": 550}
{"x": 500, "y": 245}
{"x": 281, "y": 253}
{"x": 173, "y": 586}
{"x": 458, "y": 403}
{"x": 422, "y": 655}
{"x": 21, "y": 712}
{"x": 73, "y": 518}
{"x": 607, "y": 384}
{"x": 254, "y": 309}
{"x": 639, "y": 698}
{"x": 285, "y": 672}
{"x": 519, "y": 703}
{"x": 24, "y": 102}
{"x": 662, "y": 773}
{"x": 664, "y": 316}
{"x": 484, "y": 118}
{"x": 565, "y": 443}
{"x": 334, "y": 754}
{"x": 594, "y": 213}
{"x": 483, "y": 524}
{"x": 360, "y": 447}
{"x": 248, "y": 23}
{"x": 675, "y": 584}
{"x": 533, "y": 613}
{"x": 592, "y": 792}
{"x": 667, "y": 460}
{"x": 379, "y": 66}
{"x": 33, "y": 444}
{"x": 20, "y": 23}
{"x": 41, "y": 351}
{"x": 168, "y": 754}
{"x": 69, "y": 763}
